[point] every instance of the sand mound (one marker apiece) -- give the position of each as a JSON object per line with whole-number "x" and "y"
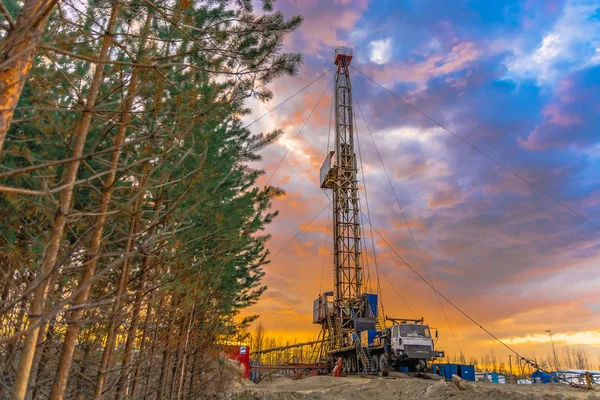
{"x": 326, "y": 387}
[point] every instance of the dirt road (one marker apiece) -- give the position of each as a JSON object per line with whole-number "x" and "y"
{"x": 326, "y": 387}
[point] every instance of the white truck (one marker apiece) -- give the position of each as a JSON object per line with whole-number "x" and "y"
{"x": 407, "y": 343}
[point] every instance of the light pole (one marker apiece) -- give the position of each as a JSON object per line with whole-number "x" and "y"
{"x": 553, "y": 350}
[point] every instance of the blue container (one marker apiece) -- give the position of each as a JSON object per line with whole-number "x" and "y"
{"x": 439, "y": 370}
{"x": 495, "y": 377}
{"x": 452, "y": 370}
{"x": 403, "y": 369}
{"x": 445, "y": 370}
{"x": 467, "y": 372}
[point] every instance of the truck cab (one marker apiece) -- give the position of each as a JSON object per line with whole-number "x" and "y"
{"x": 413, "y": 341}
{"x": 410, "y": 344}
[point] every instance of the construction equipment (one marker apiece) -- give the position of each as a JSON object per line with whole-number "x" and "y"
{"x": 348, "y": 315}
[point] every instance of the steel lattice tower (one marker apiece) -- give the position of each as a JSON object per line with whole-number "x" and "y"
{"x": 347, "y": 246}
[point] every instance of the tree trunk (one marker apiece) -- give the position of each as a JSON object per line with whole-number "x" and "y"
{"x": 93, "y": 250}
{"x": 12, "y": 348}
{"x": 123, "y": 382}
{"x": 42, "y": 351}
{"x": 60, "y": 219}
{"x": 166, "y": 361}
{"x": 194, "y": 363}
{"x": 45, "y": 355}
{"x": 6, "y": 273}
{"x": 177, "y": 359}
{"x": 95, "y": 245}
{"x": 38, "y": 356}
{"x": 138, "y": 366}
{"x": 79, "y": 393}
{"x": 115, "y": 319}
{"x": 184, "y": 352}
{"x": 153, "y": 341}
{"x": 17, "y": 56}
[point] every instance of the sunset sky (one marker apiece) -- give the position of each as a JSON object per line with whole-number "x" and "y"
{"x": 520, "y": 80}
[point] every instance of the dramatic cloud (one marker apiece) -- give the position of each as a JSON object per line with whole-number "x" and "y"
{"x": 518, "y": 81}
{"x": 571, "y": 119}
{"x": 572, "y": 43}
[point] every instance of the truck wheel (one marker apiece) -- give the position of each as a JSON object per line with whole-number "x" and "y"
{"x": 375, "y": 360}
{"x": 383, "y": 364}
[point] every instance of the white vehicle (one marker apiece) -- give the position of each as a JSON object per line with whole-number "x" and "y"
{"x": 405, "y": 344}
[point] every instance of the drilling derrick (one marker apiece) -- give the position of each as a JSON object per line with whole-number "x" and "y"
{"x": 347, "y": 314}
{"x": 346, "y": 244}
{"x": 345, "y": 310}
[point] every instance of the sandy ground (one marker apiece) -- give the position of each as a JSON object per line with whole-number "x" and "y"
{"x": 327, "y": 387}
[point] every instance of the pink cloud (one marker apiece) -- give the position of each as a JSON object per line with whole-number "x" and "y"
{"x": 437, "y": 64}
{"x": 558, "y": 116}
{"x": 571, "y": 118}
{"x": 362, "y": 4}
{"x": 410, "y": 167}
{"x": 323, "y": 23}
{"x": 593, "y": 199}
{"x": 447, "y": 197}
{"x": 399, "y": 224}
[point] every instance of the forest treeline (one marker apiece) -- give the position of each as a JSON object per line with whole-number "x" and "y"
{"x": 131, "y": 229}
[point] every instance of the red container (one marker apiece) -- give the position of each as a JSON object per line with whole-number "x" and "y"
{"x": 241, "y": 354}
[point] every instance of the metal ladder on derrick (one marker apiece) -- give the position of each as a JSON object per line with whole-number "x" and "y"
{"x": 365, "y": 356}
{"x": 330, "y": 321}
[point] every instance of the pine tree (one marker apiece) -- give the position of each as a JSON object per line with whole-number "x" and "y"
{"x": 129, "y": 195}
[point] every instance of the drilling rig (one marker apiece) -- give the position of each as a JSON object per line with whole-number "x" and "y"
{"x": 348, "y": 315}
